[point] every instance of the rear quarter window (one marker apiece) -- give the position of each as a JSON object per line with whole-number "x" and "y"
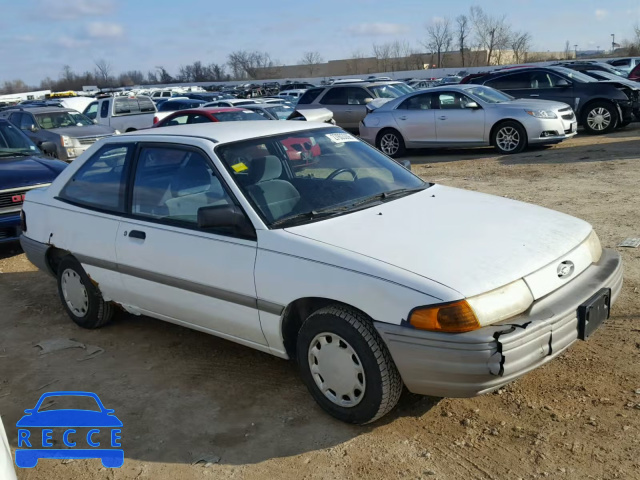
{"x": 104, "y": 109}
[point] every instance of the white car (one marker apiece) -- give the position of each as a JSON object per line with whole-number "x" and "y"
{"x": 125, "y": 114}
{"x": 340, "y": 258}
{"x": 230, "y": 102}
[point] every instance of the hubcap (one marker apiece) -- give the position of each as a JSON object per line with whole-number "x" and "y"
{"x": 389, "y": 144}
{"x": 75, "y": 293}
{"x": 336, "y": 369}
{"x": 508, "y": 139}
{"x": 599, "y": 119}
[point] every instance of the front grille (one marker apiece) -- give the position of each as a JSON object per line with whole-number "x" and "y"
{"x": 87, "y": 141}
{"x": 15, "y": 197}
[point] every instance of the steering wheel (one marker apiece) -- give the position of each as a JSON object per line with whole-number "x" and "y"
{"x": 342, "y": 170}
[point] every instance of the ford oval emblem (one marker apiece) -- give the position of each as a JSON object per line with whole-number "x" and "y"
{"x": 566, "y": 268}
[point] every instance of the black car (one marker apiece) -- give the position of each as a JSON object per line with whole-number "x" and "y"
{"x": 599, "y": 106}
{"x": 591, "y": 66}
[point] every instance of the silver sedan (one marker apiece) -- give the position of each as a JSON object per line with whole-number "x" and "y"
{"x": 465, "y": 116}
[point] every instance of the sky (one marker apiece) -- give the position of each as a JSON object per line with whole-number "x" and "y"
{"x": 39, "y": 37}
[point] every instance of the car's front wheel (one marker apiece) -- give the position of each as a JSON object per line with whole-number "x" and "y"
{"x": 80, "y": 297}
{"x": 391, "y": 143}
{"x": 599, "y": 118}
{"x": 346, "y": 366}
{"x": 509, "y": 137}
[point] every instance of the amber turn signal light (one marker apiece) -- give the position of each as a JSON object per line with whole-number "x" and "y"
{"x": 456, "y": 317}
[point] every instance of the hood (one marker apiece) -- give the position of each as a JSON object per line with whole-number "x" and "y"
{"x": 532, "y": 104}
{"x": 87, "y": 131}
{"x": 26, "y": 171}
{"x": 470, "y": 242}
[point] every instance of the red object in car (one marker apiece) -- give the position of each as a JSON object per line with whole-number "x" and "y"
{"x": 635, "y": 74}
{"x": 205, "y": 115}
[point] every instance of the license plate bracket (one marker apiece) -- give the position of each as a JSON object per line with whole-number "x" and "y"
{"x": 593, "y": 312}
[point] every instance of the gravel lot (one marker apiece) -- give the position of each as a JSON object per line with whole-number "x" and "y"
{"x": 185, "y": 396}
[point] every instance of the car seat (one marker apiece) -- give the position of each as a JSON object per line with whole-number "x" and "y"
{"x": 276, "y": 198}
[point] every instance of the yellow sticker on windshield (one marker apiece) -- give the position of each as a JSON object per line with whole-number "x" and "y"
{"x": 239, "y": 167}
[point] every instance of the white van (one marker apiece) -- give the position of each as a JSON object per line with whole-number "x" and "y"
{"x": 125, "y": 114}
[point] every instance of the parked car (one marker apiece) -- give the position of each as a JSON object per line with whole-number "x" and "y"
{"x": 208, "y": 114}
{"x": 599, "y": 106}
{"x": 421, "y": 84}
{"x": 625, "y": 64}
{"x": 231, "y": 102}
{"x": 271, "y": 88}
{"x": 125, "y": 114}
{"x": 594, "y": 66}
{"x": 158, "y": 94}
{"x": 296, "y": 86}
{"x": 175, "y": 104}
{"x": 271, "y": 111}
{"x": 60, "y": 132}
{"x": 347, "y": 102}
{"x": 632, "y": 85}
{"x": 635, "y": 74}
{"x": 480, "y": 291}
{"x": 23, "y": 167}
{"x": 466, "y": 116}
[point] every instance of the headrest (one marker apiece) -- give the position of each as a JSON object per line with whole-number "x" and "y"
{"x": 264, "y": 169}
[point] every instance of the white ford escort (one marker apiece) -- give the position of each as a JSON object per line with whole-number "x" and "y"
{"x": 340, "y": 258}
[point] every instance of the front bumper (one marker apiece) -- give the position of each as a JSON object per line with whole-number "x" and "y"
{"x": 10, "y": 228}
{"x": 474, "y": 363}
{"x": 549, "y": 131}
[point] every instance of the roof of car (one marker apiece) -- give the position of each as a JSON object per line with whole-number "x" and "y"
{"x": 41, "y": 109}
{"x": 225, "y": 132}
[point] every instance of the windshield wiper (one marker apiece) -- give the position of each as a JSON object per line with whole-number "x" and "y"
{"x": 15, "y": 154}
{"x": 400, "y": 192}
{"x": 312, "y": 215}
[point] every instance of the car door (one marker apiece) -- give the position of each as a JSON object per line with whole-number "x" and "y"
{"x": 335, "y": 99}
{"x": 456, "y": 122}
{"x": 87, "y": 223}
{"x": 416, "y": 119}
{"x": 25, "y": 121}
{"x": 551, "y": 86}
{"x": 171, "y": 268}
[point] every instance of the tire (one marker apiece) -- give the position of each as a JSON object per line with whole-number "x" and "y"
{"x": 509, "y": 137}
{"x": 355, "y": 350}
{"x": 80, "y": 297}
{"x": 391, "y": 143}
{"x": 599, "y": 118}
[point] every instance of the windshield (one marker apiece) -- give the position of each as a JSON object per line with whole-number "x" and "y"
{"x": 489, "y": 95}
{"x": 302, "y": 176}
{"x": 15, "y": 143}
{"x": 572, "y": 74}
{"x": 62, "y": 120}
{"x": 237, "y": 116}
{"x": 386, "y": 91}
{"x": 403, "y": 87}
{"x": 280, "y": 111}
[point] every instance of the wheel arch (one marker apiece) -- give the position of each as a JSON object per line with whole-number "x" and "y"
{"x": 500, "y": 122}
{"x": 297, "y": 312}
{"x": 53, "y": 257}
{"x": 591, "y": 101}
{"x": 384, "y": 130}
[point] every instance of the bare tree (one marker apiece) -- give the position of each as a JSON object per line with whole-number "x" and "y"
{"x": 103, "y": 71}
{"x": 462, "y": 33}
{"x": 14, "y": 86}
{"x": 255, "y": 65}
{"x": 439, "y": 39}
{"x": 311, "y": 60}
{"x": 355, "y": 63}
{"x": 492, "y": 33}
{"x": 382, "y": 53}
{"x": 401, "y": 52}
{"x": 567, "y": 50}
{"x": 520, "y": 44}
{"x": 163, "y": 76}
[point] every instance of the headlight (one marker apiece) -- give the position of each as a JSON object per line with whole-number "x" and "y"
{"x": 66, "y": 141}
{"x": 541, "y": 113}
{"x": 474, "y": 312}
{"x": 593, "y": 242}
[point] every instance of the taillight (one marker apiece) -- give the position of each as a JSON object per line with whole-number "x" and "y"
{"x": 155, "y": 120}
{"x": 23, "y": 221}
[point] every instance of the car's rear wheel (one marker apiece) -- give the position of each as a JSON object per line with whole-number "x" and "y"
{"x": 391, "y": 143}
{"x": 599, "y": 118}
{"x": 509, "y": 138}
{"x": 80, "y": 297}
{"x": 346, "y": 366}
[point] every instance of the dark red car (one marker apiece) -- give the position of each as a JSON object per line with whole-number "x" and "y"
{"x": 635, "y": 74}
{"x": 206, "y": 115}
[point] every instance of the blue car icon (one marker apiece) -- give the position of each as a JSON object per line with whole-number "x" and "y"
{"x": 39, "y": 444}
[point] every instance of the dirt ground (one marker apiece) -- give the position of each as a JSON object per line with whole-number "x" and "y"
{"x": 184, "y": 395}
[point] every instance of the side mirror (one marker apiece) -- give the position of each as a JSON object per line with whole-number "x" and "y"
{"x": 368, "y": 100}
{"x": 33, "y": 128}
{"x": 49, "y": 148}
{"x": 472, "y": 105}
{"x": 95, "y": 121}
{"x": 226, "y": 216}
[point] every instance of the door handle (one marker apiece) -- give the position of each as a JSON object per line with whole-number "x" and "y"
{"x": 348, "y": 111}
{"x": 404, "y": 117}
{"x": 534, "y": 95}
{"x": 137, "y": 234}
{"x": 442, "y": 117}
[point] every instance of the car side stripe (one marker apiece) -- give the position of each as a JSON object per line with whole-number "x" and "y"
{"x": 207, "y": 290}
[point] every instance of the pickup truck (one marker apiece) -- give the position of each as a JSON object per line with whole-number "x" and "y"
{"x": 125, "y": 114}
